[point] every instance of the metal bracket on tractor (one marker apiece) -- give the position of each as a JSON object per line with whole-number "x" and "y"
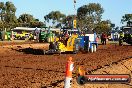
{"x": 51, "y": 51}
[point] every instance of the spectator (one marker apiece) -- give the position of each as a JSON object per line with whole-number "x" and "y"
{"x": 103, "y": 38}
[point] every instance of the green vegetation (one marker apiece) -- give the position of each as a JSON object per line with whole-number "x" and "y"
{"x": 54, "y": 16}
{"x": 9, "y": 20}
{"x": 127, "y": 18}
{"x": 27, "y": 20}
{"x": 89, "y": 15}
{"x": 7, "y": 15}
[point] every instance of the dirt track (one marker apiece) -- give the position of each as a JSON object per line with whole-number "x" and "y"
{"x": 20, "y": 70}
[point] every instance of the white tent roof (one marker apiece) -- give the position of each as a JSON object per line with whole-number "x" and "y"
{"x": 32, "y": 29}
{"x": 25, "y": 28}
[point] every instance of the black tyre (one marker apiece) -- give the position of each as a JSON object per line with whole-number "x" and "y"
{"x": 75, "y": 52}
{"x": 94, "y": 48}
{"x": 91, "y": 49}
{"x": 44, "y": 52}
{"x": 81, "y": 80}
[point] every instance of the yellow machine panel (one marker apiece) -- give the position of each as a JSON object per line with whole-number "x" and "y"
{"x": 70, "y": 44}
{"x": 62, "y": 47}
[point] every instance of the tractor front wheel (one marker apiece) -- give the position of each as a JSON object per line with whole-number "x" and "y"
{"x": 91, "y": 49}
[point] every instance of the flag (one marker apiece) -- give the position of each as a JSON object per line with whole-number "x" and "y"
{"x": 74, "y": 24}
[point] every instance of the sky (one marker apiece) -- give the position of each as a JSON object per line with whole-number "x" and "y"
{"x": 113, "y": 9}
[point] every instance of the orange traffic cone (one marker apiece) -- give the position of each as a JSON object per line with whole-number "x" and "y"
{"x": 68, "y": 76}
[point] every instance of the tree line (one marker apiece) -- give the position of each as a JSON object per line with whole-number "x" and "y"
{"x": 89, "y": 17}
{"x": 9, "y": 20}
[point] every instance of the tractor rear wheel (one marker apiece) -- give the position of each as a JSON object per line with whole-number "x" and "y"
{"x": 91, "y": 49}
{"x": 94, "y": 48}
{"x": 76, "y": 49}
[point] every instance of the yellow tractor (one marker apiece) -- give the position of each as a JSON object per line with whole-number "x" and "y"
{"x": 65, "y": 46}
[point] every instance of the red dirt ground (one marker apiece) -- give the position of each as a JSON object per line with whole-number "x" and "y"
{"x": 20, "y": 70}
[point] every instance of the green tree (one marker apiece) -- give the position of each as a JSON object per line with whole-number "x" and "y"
{"x": 1, "y": 14}
{"x": 10, "y": 10}
{"x": 2, "y": 8}
{"x": 89, "y": 15}
{"x": 127, "y": 18}
{"x": 7, "y": 14}
{"x": 27, "y": 20}
{"x": 103, "y": 26}
{"x": 54, "y": 17}
{"x": 36, "y": 23}
{"x": 68, "y": 21}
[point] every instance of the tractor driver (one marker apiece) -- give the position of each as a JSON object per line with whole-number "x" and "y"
{"x": 103, "y": 38}
{"x": 66, "y": 38}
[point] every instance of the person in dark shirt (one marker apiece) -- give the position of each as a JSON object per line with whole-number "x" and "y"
{"x": 103, "y": 38}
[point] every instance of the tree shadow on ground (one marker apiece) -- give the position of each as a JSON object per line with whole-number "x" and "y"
{"x": 31, "y": 51}
{"x": 38, "y": 51}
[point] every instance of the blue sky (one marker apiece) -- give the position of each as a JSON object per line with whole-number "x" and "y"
{"x": 114, "y": 9}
